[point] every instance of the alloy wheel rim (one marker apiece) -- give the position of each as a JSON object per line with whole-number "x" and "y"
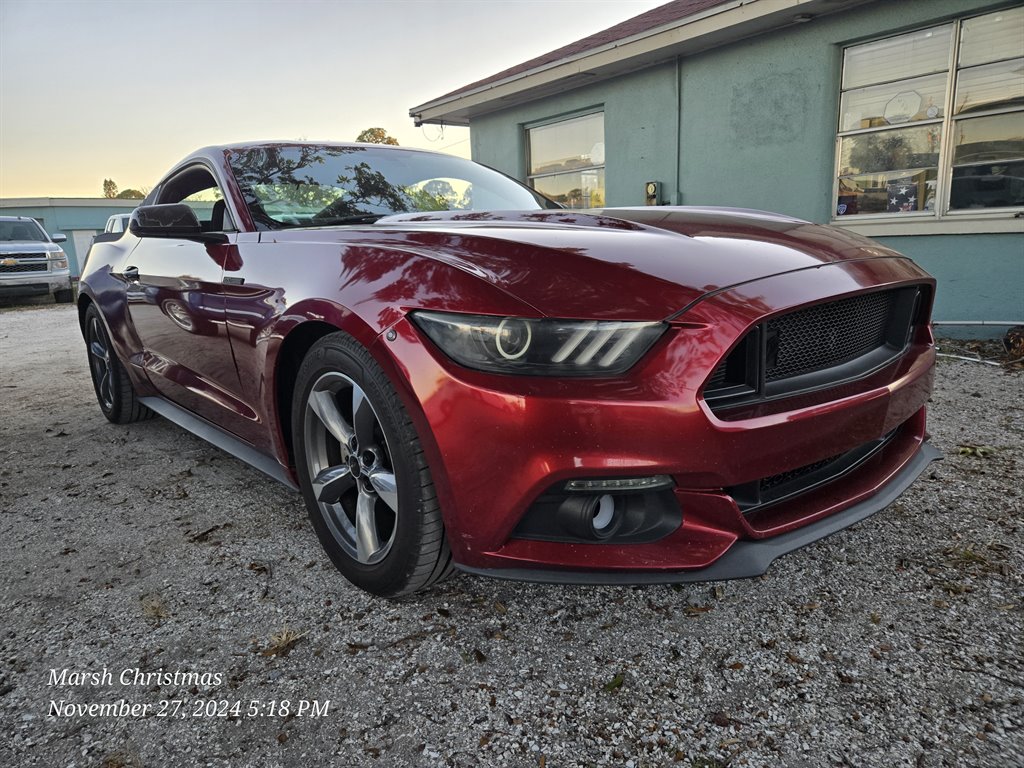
{"x": 351, "y": 468}
{"x": 99, "y": 363}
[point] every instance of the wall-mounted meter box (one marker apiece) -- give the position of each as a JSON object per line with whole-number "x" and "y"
{"x": 652, "y": 193}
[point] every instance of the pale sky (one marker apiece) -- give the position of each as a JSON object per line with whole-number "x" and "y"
{"x": 124, "y": 89}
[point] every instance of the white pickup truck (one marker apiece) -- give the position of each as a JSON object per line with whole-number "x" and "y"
{"x": 31, "y": 261}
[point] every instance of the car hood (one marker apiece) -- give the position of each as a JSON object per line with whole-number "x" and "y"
{"x": 616, "y": 263}
{"x": 18, "y": 247}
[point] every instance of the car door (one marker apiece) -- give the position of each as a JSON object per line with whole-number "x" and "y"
{"x": 175, "y": 301}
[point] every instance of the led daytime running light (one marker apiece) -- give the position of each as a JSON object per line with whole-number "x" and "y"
{"x": 620, "y": 484}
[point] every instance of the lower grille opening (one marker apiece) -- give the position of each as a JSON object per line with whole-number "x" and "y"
{"x": 757, "y": 495}
{"x": 767, "y": 485}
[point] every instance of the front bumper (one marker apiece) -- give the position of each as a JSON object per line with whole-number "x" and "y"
{"x": 35, "y": 283}
{"x": 744, "y": 559}
{"x": 497, "y": 443}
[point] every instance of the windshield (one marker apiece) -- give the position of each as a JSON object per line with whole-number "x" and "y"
{"x": 311, "y": 186}
{"x": 22, "y": 230}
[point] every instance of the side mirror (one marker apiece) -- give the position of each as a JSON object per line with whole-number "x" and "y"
{"x": 59, "y": 237}
{"x": 173, "y": 220}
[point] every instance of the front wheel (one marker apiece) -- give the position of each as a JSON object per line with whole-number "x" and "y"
{"x": 364, "y": 478}
{"x": 64, "y": 296}
{"x": 114, "y": 390}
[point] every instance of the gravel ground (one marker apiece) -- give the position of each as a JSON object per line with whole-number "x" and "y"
{"x": 895, "y": 643}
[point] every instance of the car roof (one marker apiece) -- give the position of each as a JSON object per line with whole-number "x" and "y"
{"x": 215, "y": 152}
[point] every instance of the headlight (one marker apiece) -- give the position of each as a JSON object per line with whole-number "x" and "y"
{"x": 58, "y": 260}
{"x": 539, "y": 347}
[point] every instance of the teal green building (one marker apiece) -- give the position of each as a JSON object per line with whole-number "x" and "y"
{"x": 903, "y": 121}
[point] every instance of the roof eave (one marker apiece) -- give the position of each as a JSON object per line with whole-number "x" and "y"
{"x": 716, "y": 26}
{"x": 77, "y": 202}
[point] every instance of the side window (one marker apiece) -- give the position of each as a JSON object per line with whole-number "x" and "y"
{"x": 566, "y": 160}
{"x": 196, "y": 188}
{"x": 442, "y": 194}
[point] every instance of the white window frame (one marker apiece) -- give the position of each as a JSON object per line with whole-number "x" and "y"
{"x": 942, "y": 220}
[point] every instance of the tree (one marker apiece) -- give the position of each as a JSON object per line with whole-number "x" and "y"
{"x": 109, "y": 188}
{"x": 376, "y": 136}
{"x": 130, "y": 194}
{"x": 885, "y": 151}
{"x": 286, "y": 175}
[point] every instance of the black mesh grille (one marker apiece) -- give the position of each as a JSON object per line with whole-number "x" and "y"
{"x": 9, "y": 268}
{"x": 826, "y": 335}
{"x": 816, "y": 348}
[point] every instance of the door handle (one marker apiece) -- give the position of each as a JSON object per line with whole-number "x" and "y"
{"x": 131, "y": 274}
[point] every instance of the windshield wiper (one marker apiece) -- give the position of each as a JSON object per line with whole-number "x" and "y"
{"x": 356, "y": 218}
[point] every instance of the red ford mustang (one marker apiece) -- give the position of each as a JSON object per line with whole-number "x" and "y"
{"x": 458, "y": 373}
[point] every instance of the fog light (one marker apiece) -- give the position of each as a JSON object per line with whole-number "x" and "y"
{"x": 604, "y": 515}
{"x": 590, "y": 517}
{"x": 601, "y": 517}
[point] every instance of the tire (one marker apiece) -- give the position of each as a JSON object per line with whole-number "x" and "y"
{"x": 364, "y": 477}
{"x": 114, "y": 390}
{"x": 64, "y": 296}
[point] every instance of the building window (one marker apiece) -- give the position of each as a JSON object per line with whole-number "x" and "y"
{"x": 566, "y": 160}
{"x": 931, "y": 123}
